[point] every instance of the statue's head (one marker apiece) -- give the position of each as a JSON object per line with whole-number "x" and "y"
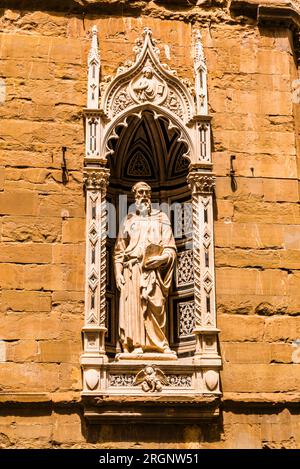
{"x": 142, "y": 194}
{"x": 147, "y": 71}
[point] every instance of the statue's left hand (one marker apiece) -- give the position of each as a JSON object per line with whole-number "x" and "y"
{"x": 156, "y": 261}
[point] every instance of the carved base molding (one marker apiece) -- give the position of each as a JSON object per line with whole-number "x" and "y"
{"x": 154, "y": 409}
{"x": 139, "y": 390}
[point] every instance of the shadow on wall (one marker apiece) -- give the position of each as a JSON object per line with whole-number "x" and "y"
{"x": 150, "y": 435}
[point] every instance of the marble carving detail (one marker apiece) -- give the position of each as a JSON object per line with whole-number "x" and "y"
{"x": 145, "y": 84}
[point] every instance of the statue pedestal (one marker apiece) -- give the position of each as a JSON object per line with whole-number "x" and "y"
{"x": 147, "y": 357}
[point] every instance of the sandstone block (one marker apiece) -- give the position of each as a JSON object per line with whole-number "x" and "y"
{"x": 266, "y": 212}
{"x": 282, "y": 329}
{"x": 225, "y": 209}
{"x": 75, "y": 278}
{"x": 268, "y": 190}
{"x": 59, "y": 351}
{"x": 73, "y": 230}
{"x": 251, "y": 281}
{"x": 262, "y": 305}
{"x": 34, "y": 431}
{"x": 11, "y": 276}
{"x": 61, "y": 205}
{"x": 68, "y": 253}
{"x": 16, "y": 300}
{"x": 35, "y": 229}
{"x": 25, "y": 253}
{"x": 264, "y": 165}
{"x": 46, "y": 277}
{"x": 24, "y": 377}
{"x": 271, "y": 259}
{"x": 22, "y": 351}
{"x": 241, "y": 328}
{"x": 67, "y": 428}
{"x": 281, "y": 353}
{"x": 291, "y": 237}
{"x": 247, "y": 353}
{"x": 70, "y": 377}
{"x": 18, "y": 203}
{"x": 17, "y": 326}
{"x": 244, "y": 436}
{"x": 260, "y": 378}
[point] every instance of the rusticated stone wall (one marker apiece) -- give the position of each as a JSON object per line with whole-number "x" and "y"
{"x": 251, "y": 69}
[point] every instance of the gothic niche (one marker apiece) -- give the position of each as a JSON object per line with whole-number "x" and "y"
{"x": 148, "y": 126}
{"x": 148, "y": 150}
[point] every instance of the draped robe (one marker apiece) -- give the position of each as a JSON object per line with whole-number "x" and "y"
{"x": 143, "y": 297}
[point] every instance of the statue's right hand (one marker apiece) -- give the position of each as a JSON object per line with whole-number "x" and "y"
{"x": 120, "y": 281}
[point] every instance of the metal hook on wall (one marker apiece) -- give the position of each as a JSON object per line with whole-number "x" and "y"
{"x": 233, "y": 181}
{"x": 64, "y": 169}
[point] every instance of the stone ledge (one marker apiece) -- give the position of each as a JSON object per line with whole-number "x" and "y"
{"x": 235, "y": 399}
{"x": 155, "y": 409}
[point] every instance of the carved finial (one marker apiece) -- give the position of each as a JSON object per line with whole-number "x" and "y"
{"x": 94, "y": 52}
{"x": 199, "y": 58}
{"x": 139, "y": 43}
{"x": 200, "y": 75}
{"x": 93, "y": 71}
{"x": 147, "y": 32}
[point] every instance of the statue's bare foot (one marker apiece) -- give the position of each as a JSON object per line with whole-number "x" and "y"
{"x": 138, "y": 350}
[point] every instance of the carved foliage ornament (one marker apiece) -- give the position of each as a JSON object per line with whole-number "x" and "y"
{"x": 201, "y": 183}
{"x": 96, "y": 179}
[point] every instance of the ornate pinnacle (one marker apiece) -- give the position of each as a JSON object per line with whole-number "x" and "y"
{"x": 147, "y": 32}
{"x": 199, "y": 53}
{"x": 94, "y": 53}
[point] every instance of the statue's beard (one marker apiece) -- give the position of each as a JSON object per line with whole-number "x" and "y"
{"x": 143, "y": 207}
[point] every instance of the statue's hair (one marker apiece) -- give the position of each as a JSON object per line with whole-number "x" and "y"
{"x": 137, "y": 185}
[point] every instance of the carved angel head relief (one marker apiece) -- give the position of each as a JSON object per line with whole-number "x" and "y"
{"x": 151, "y": 378}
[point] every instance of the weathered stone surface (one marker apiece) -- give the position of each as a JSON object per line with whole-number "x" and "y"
{"x": 67, "y": 424}
{"x": 261, "y": 377}
{"x": 73, "y": 230}
{"x": 58, "y": 351}
{"x": 18, "y": 203}
{"x": 25, "y": 253}
{"x": 36, "y": 229}
{"x": 20, "y": 300}
{"x": 282, "y": 328}
{"x": 252, "y": 281}
{"x": 29, "y": 377}
{"x": 240, "y": 328}
{"x": 16, "y": 326}
{"x": 254, "y": 235}
{"x": 271, "y": 259}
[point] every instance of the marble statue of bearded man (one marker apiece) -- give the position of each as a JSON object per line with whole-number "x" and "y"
{"x": 144, "y": 258}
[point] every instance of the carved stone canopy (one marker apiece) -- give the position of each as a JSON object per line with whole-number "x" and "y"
{"x": 147, "y": 81}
